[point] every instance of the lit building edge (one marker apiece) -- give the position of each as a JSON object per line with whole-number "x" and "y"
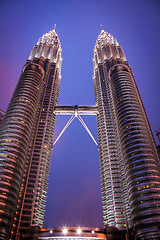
{"x": 1, "y": 115}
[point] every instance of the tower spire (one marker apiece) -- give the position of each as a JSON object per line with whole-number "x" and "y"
{"x": 54, "y": 27}
{"x": 102, "y": 30}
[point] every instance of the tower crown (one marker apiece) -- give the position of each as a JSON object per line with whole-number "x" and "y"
{"x": 106, "y": 48}
{"x": 50, "y": 37}
{"x": 104, "y": 38}
{"x": 49, "y": 47}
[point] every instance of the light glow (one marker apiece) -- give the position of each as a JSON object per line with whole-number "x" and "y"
{"x": 65, "y": 231}
{"x": 79, "y": 231}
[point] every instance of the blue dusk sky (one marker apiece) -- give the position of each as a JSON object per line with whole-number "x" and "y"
{"x": 74, "y": 190}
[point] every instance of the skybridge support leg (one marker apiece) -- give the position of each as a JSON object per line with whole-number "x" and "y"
{"x": 76, "y": 114}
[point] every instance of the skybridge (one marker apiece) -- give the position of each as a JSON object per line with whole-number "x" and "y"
{"x": 81, "y": 110}
{"x": 76, "y": 111}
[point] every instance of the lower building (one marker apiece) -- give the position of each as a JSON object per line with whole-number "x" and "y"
{"x": 74, "y": 233}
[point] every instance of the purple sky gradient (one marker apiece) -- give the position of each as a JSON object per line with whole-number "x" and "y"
{"x": 74, "y": 194}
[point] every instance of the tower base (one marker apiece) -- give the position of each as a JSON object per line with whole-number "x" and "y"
{"x": 113, "y": 233}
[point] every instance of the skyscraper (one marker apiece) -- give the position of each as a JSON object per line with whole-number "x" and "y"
{"x": 130, "y": 171}
{"x": 26, "y": 138}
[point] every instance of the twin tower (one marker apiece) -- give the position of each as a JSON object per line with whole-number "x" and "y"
{"x": 130, "y": 168}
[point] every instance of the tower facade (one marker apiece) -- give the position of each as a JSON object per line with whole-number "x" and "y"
{"x": 130, "y": 170}
{"x": 26, "y": 138}
{"x": 1, "y": 116}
